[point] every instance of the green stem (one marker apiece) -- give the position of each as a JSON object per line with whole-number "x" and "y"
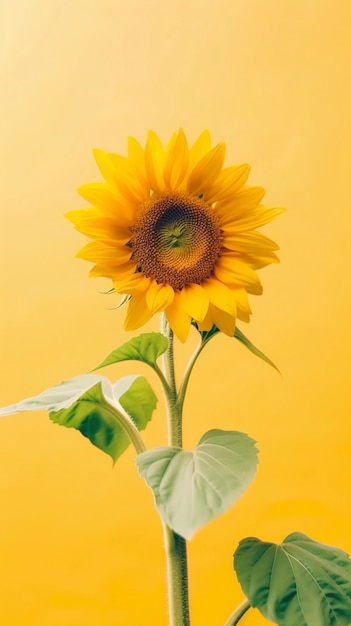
{"x": 174, "y": 414}
{"x": 177, "y": 578}
{"x": 165, "y": 386}
{"x": 238, "y": 613}
{"x": 129, "y": 428}
{"x": 168, "y": 360}
{"x": 189, "y": 369}
{"x": 175, "y": 546}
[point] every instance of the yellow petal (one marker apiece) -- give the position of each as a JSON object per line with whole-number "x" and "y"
{"x": 102, "y": 228}
{"x": 251, "y": 242}
{"x": 207, "y": 322}
{"x": 100, "y": 195}
{"x": 133, "y": 283}
{"x": 137, "y": 313}
{"x": 100, "y": 253}
{"x": 260, "y": 260}
{"x": 105, "y": 165}
{"x": 246, "y": 200}
{"x": 206, "y": 170}
{"x": 118, "y": 273}
{"x": 243, "y": 310}
{"x": 170, "y": 144}
{"x": 179, "y": 320}
{"x": 111, "y": 271}
{"x": 108, "y": 201}
{"x": 194, "y": 300}
{"x": 255, "y": 218}
{"x": 200, "y": 147}
{"x": 154, "y": 161}
{"x": 136, "y": 157}
{"x": 130, "y": 185}
{"x": 228, "y": 183}
{"x": 177, "y": 160}
{"x": 119, "y": 173}
{"x": 223, "y": 321}
{"x": 159, "y": 297}
{"x": 80, "y": 215}
{"x": 243, "y": 316}
{"x": 114, "y": 272}
{"x": 220, "y": 295}
{"x": 231, "y": 271}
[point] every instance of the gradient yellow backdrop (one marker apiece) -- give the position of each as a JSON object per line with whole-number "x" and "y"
{"x": 80, "y": 542}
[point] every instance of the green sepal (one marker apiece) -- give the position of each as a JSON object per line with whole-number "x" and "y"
{"x": 146, "y": 348}
{"x": 299, "y": 582}
{"x": 247, "y": 343}
{"x": 193, "y": 487}
{"x": 206, "y": 335}
{"x": 95, "y": 416}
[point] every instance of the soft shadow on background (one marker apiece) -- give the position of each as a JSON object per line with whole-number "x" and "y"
{"x": 80, "y": 542}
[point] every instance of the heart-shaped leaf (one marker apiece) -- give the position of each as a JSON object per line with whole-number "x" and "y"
{"x": 60, "y": 396}
{"x": 146, "y": 348}
{"x": 298, "y": 583}
{"x": 193, "y": 487}
{"x": 89, "y": 404}
{"x": 95, "y": 417}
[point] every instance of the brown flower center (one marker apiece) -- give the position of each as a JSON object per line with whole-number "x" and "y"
{"x": 176, "y": 240}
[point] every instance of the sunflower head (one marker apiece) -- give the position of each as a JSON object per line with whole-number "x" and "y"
{"x": 177, "y": 232}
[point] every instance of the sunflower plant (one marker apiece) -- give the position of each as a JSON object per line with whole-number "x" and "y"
{"x": 176, "y": 232}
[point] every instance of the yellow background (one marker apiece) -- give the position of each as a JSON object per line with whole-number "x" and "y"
{"x": 80, "y": 543}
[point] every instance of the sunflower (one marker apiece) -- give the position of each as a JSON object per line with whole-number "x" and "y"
{"x": 176, "y": 232}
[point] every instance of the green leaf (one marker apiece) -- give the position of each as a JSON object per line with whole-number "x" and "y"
{"x": 60, "y": 396}
{"x": 95, "y": 417}
{"x": 193, "y": 487}
{"x": 298, "y": 583}
{"x": 245, "y": 341}
{"x": 139, "y": 401}
{"x": 89, "y": 403}
{"x": 146, "y": 348}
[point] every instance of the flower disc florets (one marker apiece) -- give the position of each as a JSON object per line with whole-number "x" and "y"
{"x": 176, "y": 232}
{"x": 177, "y": 240}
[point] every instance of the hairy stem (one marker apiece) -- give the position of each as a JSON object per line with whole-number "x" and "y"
{"x": 177, "y": 577}
{"x": 174, "y": 414}
{"x": 175, "y": 546}
{"x": 129, "y": 428}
